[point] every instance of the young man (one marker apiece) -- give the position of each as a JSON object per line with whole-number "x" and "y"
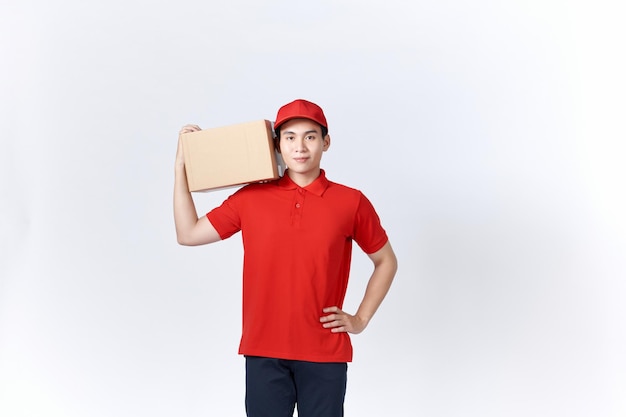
{"x": 297, "y": 234}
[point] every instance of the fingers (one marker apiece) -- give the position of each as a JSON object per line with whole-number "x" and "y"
{"x": 336, "y": 326}
{"x": 335, "y": 314}
{"x": 337, "y": 321}
{"x": 180, "y": 158}
{"x": 189, "y": 128}
{"x": 179, "y": 151}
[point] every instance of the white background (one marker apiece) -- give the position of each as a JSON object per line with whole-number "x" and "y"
{"x": 488, "y": 134}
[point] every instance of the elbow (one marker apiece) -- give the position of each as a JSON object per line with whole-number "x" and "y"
{"x": 185, "y": 236}
{"x": 192, "y": 240}
{"x": 393, "y": 266}
{"x": 196, "y": 236}
{"x": 184, "y": 240}
{"x": 388, "y": 266}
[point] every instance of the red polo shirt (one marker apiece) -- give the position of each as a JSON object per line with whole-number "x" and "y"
{"x": 297, "y": 251}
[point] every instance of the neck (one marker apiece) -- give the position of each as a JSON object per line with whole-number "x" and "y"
{"x": 303, "y": 179}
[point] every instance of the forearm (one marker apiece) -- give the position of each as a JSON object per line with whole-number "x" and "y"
{"x": 377, "y": 288}
{"x": 185, "y": 215}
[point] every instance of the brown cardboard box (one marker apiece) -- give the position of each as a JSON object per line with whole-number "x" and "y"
{"x": 230, "y": 155}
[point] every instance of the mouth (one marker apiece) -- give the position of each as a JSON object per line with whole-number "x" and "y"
{"x": 300, "y": 159}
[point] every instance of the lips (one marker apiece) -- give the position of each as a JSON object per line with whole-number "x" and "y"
{"x": 300, "y": 159}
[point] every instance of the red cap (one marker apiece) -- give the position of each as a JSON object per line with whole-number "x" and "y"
{"x": 300, "y": 109}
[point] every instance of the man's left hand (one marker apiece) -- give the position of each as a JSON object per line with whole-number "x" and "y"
{"x": 339, "y": 321}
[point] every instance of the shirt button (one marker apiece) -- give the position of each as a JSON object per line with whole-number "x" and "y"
{"x": 297, "y": 205}
{"x": 300, "y": 190}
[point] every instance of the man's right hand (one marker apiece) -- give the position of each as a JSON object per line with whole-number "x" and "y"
{"x": 180, "y": 156}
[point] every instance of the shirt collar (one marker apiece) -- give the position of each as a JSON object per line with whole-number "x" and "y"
{"x": 317, "y": 187}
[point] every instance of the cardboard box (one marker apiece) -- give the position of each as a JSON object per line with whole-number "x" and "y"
{"x": 231, "y": 155}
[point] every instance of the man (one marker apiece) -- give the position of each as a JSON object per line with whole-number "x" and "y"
{"x": 297, "y": 234}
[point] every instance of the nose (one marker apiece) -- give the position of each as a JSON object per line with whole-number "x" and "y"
{"x": 300, "y": 145}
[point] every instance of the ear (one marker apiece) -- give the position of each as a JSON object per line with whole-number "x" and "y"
{"x": 326, "y": 142}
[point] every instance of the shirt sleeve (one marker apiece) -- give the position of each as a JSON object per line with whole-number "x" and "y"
{"x": 226, "y": 218}
{"x": 368, "y": 231}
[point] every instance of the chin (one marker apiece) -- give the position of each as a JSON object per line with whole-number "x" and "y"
{"x": 299, "y": 170}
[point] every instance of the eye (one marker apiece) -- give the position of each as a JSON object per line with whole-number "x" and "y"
{"x": 310, "y": 137}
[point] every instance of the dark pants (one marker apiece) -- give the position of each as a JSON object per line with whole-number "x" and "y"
{"x": 275, "y": 386}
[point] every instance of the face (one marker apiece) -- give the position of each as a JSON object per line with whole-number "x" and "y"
{"x": 301, "y": 146}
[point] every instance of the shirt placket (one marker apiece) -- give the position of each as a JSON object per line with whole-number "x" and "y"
{"x": 298, "y": 206}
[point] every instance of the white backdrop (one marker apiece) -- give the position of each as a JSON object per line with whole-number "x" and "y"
{"x": 489, "y": 135}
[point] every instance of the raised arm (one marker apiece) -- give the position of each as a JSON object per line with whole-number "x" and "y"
{"x": 190, "y": 230}
{"x": 385, "y": 266}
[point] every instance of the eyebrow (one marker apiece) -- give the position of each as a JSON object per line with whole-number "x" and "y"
{"x": 289, "y": 132}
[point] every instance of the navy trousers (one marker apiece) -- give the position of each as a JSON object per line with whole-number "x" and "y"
{"x": 275, "y": 386}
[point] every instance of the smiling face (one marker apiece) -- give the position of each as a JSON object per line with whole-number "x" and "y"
{"x": 301, "y": 145}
